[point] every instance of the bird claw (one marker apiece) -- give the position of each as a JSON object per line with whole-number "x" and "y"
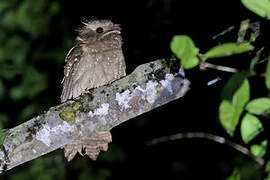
{"x": 90, "y": 146}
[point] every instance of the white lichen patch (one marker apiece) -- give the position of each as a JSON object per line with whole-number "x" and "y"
{"x": 140, "y": 89}
{"x": 167, "y": 82}
{"x": 123, "y": 99}
{"x": 102, "y": 111}
{"x": 44, "y": 133}
{"x": 151, "y": 91}
{"x": 64, "y": 127}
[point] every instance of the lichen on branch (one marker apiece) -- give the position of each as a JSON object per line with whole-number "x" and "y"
{"x": 149, "y": 86}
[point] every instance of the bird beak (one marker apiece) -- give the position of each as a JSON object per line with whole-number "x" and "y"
{"x": 110, "y": 32}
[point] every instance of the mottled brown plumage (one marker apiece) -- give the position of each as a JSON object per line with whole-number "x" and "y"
{"x": 95, "y": 60}
{"x": 90, "y": 146}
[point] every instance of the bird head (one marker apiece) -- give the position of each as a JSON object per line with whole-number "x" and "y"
{"x": 98, "y": 30}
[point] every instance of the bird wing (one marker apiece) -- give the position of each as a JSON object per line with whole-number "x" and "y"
{"x": 72, "y": 59}
{"x": 91, "y": 70}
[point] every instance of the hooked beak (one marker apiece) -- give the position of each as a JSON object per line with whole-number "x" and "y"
{"x": 110, "y": 32}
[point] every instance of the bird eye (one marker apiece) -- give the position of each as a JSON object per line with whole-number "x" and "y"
{"x": 99, "y": 30}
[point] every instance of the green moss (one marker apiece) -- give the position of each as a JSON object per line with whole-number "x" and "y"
{"x": 3, "y": 134}
{"x": 68, "y": 112}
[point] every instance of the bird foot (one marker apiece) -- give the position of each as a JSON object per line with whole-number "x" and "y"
{"x": 90, "y": 146}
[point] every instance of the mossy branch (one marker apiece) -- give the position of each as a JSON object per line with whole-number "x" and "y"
{"x": 149, "y": 86}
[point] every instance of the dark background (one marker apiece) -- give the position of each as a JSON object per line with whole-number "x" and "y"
{"x": 148, "y": 27}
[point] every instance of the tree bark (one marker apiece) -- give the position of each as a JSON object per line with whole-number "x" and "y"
{"x": 149, "y": 86}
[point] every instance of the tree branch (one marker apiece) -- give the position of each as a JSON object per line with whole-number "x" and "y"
{"x": 202, "y": 135}
{"x": 149, "y": 86}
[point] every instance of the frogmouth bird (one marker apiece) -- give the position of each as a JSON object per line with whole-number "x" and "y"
{"x": 96, "y": 59}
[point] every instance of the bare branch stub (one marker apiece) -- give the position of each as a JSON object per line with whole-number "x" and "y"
{"x": 149, "y": 86}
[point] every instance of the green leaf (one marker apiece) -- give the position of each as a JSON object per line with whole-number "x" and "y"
{"x": 259, "y": 150}
{"x": 2, "y": 89}
{"x": 3, "y": 135}
{"x": 234, "y": 83}
{"x": 28, "y": 111}
{"x": 267, "y": 74}
{"x": 183, "y": 47}
{"x": 33, "y": 83}
{"x": 16, "y": 49}
{"x": 241, "y": 97}
{"x": 259, "y": 106}
{"x": 250, "y": 127}
{"x": 8, "y": 71}
{"x": 242, "y": 31}
{"x": 228, "y": 49}
{"x": 227, "y": 117}
{"x": 254, "y": 61}
{"x": 259, "y": 7}
{"x": 231, "y": 108}
{"x": 267, "y": 170}
{"x": 3, "y": 120}
{"x": 254, "y": 36}
{"x": 235, "y": 175}
{"x": 267, "y": 167}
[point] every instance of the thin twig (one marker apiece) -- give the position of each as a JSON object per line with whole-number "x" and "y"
{"x": 204, "y": 65}
{"x": 208, "y": 136}
{"x": 223, "y": 32}
{"x": 262, "y": 61}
